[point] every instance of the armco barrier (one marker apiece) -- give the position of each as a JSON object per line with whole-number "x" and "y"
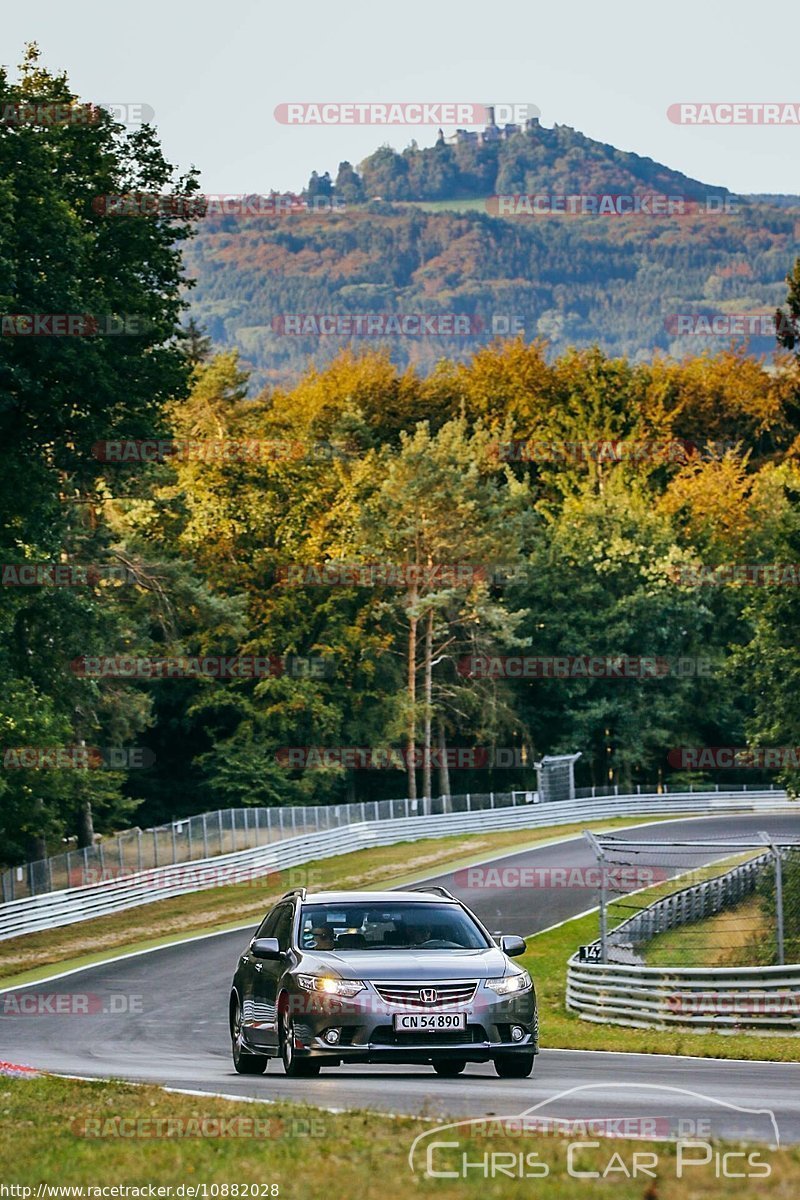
{"x": 727, "y": 999}
{"x": 732, "y": 999}
{"x": 71, "y": 905}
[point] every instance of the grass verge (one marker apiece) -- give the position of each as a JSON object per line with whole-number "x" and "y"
{"x": 95, "y": 1135}
{"x": 733, "y": 938}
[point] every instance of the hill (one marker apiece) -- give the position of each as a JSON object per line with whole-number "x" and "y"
{"x": 438, "y": 244}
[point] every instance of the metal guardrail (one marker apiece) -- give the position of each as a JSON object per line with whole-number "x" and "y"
{"x": 71, "y": 905}
{"x": 228, "y": 830}
{"x": 733, "y": 999}
{"x": 730, "y": 999}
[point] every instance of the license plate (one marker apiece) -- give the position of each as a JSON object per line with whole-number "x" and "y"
{"x": 429, "y": 1022}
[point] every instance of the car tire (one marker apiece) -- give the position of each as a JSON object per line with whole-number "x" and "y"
{"x": 449, "y": 1068}
{"x": 302, "y": 1068}
{"x": 514, "y": 1066}
{"x": 244, "y": 1063}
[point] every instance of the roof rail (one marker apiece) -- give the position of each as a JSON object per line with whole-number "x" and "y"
{"x": 301, "y": 892}
{"x": 436, "y": 888}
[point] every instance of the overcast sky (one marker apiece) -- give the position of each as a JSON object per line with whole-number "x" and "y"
{"x": 215, "y": 71}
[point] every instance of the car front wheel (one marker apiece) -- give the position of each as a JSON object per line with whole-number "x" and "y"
{"x": 514, "y": 1066}
{"x": 244, "y": 1062}
{"x": 294, "y": 1067}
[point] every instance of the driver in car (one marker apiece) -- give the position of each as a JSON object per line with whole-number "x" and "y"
{"x": 323, "y": 937}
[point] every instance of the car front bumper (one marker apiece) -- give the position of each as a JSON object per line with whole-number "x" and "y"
{"x": 366, "y": 1031}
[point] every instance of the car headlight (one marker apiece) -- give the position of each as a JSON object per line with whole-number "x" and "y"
{"x": 326, "y": 986}
{"x": 509, "y": 984}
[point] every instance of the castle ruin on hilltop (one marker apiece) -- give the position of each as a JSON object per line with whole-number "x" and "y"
{"x": 491, "y": 132}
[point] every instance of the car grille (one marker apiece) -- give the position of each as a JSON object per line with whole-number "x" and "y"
{"x": 426, "y": 995}
{"x": 384, "y": 1035}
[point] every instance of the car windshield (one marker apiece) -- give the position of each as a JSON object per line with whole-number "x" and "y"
{"x": 402, "y": 926}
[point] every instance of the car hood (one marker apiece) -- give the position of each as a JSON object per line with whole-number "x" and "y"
{"x": 410, "y": 964}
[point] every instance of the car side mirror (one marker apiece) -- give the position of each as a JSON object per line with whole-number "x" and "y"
{"x": 266, "y": 948}
{"x": 512, "y": 945}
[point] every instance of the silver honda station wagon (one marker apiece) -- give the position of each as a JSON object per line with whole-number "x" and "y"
{"x": 381, "y": 977}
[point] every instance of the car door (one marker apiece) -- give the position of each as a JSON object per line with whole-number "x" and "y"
{"x": 267, "y": 973}
{"x": 258, "y": 1017}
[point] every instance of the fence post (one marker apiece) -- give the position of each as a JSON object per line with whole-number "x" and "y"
{"x": 219, "y": 822}
{"x": 205, "y": 836}
{"x": 119, "y": 847}
{"x": 174, "y": 844}
{"x": 469, "y": 803}
{"x": 155, "y": 848}
{"x": 233, "y": 828}
{"x": 778, "y": 896}
{"x": 139, "y": 848}
{"x": 601, "y": 860}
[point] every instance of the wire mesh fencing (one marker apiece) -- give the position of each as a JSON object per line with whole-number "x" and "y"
{"x": 731, "y": 902}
